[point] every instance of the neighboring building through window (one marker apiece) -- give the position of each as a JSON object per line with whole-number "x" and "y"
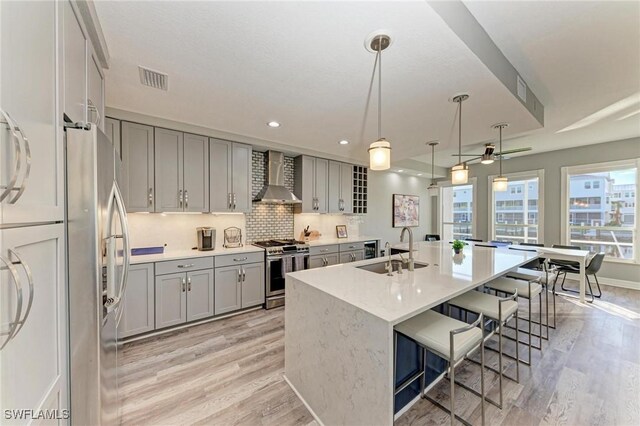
{"x": 456, "y": 217}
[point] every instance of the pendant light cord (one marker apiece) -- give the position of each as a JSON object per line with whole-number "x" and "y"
{"x": 500, "y": 128}
{"x": 460, "y": 132}
{"x": 433, "y": 154}
{"x": 379, "y": 87}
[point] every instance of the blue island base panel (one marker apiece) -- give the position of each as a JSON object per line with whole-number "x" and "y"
{"x": 408, "y": 362}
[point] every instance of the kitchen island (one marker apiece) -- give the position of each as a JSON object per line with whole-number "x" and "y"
{"x": 339, "y": 325}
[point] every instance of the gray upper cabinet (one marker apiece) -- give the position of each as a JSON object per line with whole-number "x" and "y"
{"x": 340, "y": 187}
{"x": 196, "y": 173}
{"x": 169, "y": 195}
{"x": 252, "y": 285}
{"x": 28, "y": 69}
{"x": 112, "y": 130}
{"x": 138, "y": 167}
{"x": 200, "y": 294}
{"x": 95, "y": 92}
{"x": 171, "y": 300}
{"x": 75, "y": 71}
{"x": 228, "y": 290}
{"x": 138, "y": 314}
{"x": 230, "y": 176}
{"x": 311, "y": 184}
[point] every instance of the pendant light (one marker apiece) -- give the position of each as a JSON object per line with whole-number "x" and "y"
{"x": 460, "y": 172}
{"x": 433, "y": 188}
{"x": 500, "y": 183}
{"x": 380, "y": 150}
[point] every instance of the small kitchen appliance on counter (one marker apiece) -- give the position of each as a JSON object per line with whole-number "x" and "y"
{"x": 206, "y": 238}
{"x": 232, "y": 237}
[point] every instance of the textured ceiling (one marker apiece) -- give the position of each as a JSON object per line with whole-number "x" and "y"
{"x": 233, "y": 66}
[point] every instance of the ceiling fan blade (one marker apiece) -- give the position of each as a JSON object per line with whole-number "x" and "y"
{"x": 513, "y": 151}
{"x": 465, "y": 155}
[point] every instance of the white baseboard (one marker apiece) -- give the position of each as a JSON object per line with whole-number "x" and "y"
{"x": 632, "y": 285}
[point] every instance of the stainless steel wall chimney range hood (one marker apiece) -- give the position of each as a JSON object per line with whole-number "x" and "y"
{"x": 274, "y": 191}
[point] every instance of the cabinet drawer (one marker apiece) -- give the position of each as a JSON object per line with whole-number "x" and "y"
{"x": 352, "y": 246}
{"x": 183, "y": 265}
{"x": 239, "y": 259}
{"x": 314, "y": 250}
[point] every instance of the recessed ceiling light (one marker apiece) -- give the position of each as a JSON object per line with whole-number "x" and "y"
{"x": 419, "y": 174}
{"x": 344, "y": 142}
{"x": 400, "y": 171}
{"x": 273, "y": 124}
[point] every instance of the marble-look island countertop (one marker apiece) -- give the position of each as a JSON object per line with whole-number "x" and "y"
{"x": 399, "y": 297}
{"x": 339, "y": 320}
{"x": 187, "y": 254}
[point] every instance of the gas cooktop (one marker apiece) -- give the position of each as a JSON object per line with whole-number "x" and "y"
{"x": 279, "y": 246}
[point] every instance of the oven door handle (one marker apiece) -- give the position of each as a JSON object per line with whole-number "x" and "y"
{"x": 276, "y": 258}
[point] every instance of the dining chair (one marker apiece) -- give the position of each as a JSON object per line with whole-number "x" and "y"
{"x": 432, "y": 237}
{"x": 592, "y": 269}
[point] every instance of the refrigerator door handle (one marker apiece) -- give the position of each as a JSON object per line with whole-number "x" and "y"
{"x": 27, "y": 271}
{"x": 16, "y": 282}
{"x": 126, "y": 250}
{"x": 15, "y": 130}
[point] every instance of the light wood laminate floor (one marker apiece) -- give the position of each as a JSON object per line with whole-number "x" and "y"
{"x": 229, "y": 372}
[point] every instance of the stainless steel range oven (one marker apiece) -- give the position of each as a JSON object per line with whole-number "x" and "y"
{"x": 282, "y": 256}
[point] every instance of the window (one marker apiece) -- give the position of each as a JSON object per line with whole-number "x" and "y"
{"x": 602, "y": 224}
{"x": 516, "y": 214}
{"x": 587, "y": 185}
{"x": 457, "y": 217}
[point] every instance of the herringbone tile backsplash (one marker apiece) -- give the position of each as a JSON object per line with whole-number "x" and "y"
{"x": 268, "y": 221}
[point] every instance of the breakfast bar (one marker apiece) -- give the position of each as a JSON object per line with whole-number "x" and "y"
{"x": 339, "y": 324}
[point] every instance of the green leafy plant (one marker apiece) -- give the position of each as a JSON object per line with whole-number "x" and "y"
{"x": 458, "y": 245}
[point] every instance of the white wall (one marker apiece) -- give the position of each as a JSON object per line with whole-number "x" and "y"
{"x": 378, "y": 221}
{"x": 178, "y": 231}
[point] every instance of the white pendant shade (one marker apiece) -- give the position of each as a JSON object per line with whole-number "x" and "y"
{"x": 380, "y": 155}
{"x": 459, "y": 174}
{"x": 433, "y": 190}
{"x": 500, "y": 184}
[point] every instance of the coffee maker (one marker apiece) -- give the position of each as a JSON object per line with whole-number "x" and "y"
{"x": 206, "y": 238}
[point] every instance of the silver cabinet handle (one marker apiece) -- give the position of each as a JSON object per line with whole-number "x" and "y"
{"x": 229, "y": 200}
{"x": 324, "y": 250}
{"x": 180, "y": 198}
{"x": 353, "y": 257}
{"x": 240, "y": 259}
{"x": 17, "y": 134}
{"x": 16, "y": 282}
{"x": 234, "y": 201}
{"x": 188, "y": 283}
{"x": 184, "y": 285}
{"x": 150, "y": 197}
{"x": 238, "y": 276}
{"x": 186, "y": 199}
{"x": 91, "y": 107}
{"x": 186, "y": 265}
{"x": 244, "y": 275}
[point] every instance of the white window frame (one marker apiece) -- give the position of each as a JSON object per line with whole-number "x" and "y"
{"x": 531, "y": 174}
{"x": 595, "y": 168}
{"x": 473, "y": 181}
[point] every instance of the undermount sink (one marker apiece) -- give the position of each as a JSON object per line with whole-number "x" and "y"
{"x": 380, "y": 267}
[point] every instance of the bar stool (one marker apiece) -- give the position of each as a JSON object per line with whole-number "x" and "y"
{"x": 527, "y": 289}
{"x": 500, "y": 311}
{"x": 543, "y": 278}
{"x": 448, "y": 338}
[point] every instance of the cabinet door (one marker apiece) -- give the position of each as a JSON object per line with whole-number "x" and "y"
{"x": 200, "y": 297}
{"x": 196, "y": 173}
{"x": 228, "y": 291}
{"x": 346, "y": 257}
{"x": 332, "y": 259}
{"x": 95, "y": 92}
{"x": 28, "y": 95}
{"x": 168, "y": 171}
{"x": 219, "y": 175}
{"x": 34, "y": 362}
{"x": 304, "y": 187}
{"x": 253, "y": 285}
{"x": 112, "y": 130}
{"x": 75, "y": 71}
{"x": 241, "y": 171}
{"x": 346, "y": 187}
{"x": 171, "y": 300}
{"x": 321, "y": 185}
{"x": 137, "y": 167}
{"x": 138, "y": 315}
{"x": 358, "y": 255}
{"x": 316, "y": 261}
{"x": 335, "y": 186}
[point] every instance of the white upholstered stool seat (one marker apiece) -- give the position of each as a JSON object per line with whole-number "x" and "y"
{"x": 510, "y": 285}
{"x": 432, "y": 330}
{"x": 475, "y": 301}
{"x": 528, "y": 275}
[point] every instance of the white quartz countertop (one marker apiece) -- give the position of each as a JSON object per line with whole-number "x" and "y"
{"x": 399, "y": 297}
{"x": 186, "y": 254}
{"x": 329, "y": 241}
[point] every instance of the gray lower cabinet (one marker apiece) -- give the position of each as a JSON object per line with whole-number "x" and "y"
{"x": 200, "y": 294}
{"x": 138, "y": 167}
{"x": 320, "y": 260}
{"x": 239, "y": 287}
{"x": 138, "y": 314}
{"x": 171, "y": 300}
{"x": 351, "y": 256}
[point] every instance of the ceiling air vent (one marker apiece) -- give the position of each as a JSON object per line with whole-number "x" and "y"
{"x": 153, "y": 78}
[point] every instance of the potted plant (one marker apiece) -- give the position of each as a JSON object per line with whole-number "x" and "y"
{"x": 458, "y": 246}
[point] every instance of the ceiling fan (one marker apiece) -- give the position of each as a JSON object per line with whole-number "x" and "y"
{"x": 490, "y": 155}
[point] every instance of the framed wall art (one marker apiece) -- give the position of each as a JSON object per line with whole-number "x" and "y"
{"x": 406, "y": 210}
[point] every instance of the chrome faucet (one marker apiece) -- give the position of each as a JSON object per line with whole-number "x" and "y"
{"x": 389, "y": 265}
{"x": 410, "y": 261}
